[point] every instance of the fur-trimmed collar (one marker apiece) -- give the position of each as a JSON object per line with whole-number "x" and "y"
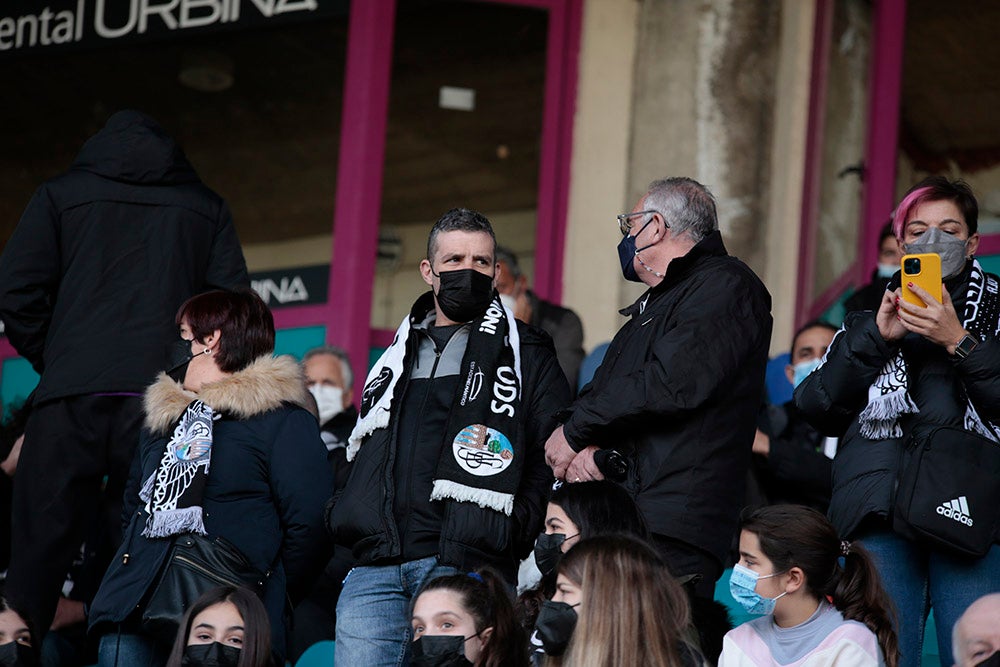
{"x": 262, "y": 386}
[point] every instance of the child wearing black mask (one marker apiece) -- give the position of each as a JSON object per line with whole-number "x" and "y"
{"x": 467, "y": 620}
{"x": 225, "y": 627}
{"x": 576, "y": 512}
{"x": 16, "y": 648}
{"x": 616, "y": 603}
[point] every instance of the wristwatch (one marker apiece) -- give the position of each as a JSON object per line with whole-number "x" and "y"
{"x": 966, "y": 346}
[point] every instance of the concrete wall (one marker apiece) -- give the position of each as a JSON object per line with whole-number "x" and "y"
{"x": 843, "y": 143}
{"x": 598, "y": 192}
{"x": 705, "y": 91}
{"x": 787, "y": 168}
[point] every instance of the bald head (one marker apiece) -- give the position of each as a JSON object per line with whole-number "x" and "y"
{"x": 976, "y": 635}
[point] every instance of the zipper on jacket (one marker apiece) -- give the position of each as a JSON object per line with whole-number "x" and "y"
{"x": 423, "y": 406}
{"x": 208, "y": 573}
{"x": 131, "y": 536}
{"x": 388, "y": 515}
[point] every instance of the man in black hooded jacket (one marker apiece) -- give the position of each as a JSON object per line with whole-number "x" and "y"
{"x": 90, "y": 282}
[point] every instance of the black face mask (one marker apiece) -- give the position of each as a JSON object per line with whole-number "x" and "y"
{"x": 17, "y": 655}
{"x": 548, "y": 551}
{"x": 464, "y": 294}
{"x": 439, "y": 651}
{"x": 992, "y": 661}
{"x": 178, "y": 357}
{"x": 627, "y": 252}
{"x": 210, "y": 655}
{"x": 555, "y": 625}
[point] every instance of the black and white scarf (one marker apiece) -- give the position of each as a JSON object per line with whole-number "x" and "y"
{"x": 173, "y": 493}
{"x": 482, "y": 454}
{"x": 888, "y": 396}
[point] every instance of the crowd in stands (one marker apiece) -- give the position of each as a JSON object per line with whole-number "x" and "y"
{"x": 473, "y": 508}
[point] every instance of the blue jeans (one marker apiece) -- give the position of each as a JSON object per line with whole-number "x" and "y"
{"x": 373, "y": 612}
{"x": 129, "y": 650}
{"x": 918, "y": 578}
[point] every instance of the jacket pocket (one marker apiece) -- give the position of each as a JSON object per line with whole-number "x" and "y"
{"x": 484, "y": 530}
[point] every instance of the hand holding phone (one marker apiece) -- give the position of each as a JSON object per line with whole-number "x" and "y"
{"x": 924, "y": 270}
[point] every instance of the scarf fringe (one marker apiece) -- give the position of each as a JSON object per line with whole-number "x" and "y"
{"x": 447, "y": 489}
{"x": 888, "y": 397}
{"x": 146, "y": 492}
{"x": 880, "y": 418}
{"x": 172, "y": 522}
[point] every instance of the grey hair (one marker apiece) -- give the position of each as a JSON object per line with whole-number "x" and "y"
{"x": 507, "y": 256}
{"x": 686, "y": 204}
{"x": 334, "y": 351}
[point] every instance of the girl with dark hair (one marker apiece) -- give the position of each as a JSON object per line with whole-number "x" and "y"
{"x": 227, "y": 626}
{"x": 575, "y": 512}
{"x": 16, "y": 647}
{"x": 467, "y": 619}
{"x": 579, "y": 511}
{"x": 816, "y": 611}
{"x": 228, "y": 451}
{"x": 616, "y": 603}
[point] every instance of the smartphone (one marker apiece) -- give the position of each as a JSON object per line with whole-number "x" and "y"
{"x": 923, "y": 270}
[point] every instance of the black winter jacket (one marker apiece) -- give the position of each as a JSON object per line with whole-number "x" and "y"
{"x": 679, "y": 390}
{"x": 566, "y": 330}
{"x": 796, "y": 470}
{"x": 385, "y": 513}
{"x": 832, "y": 397}
{"x": 265, "y": 494}
{"x": 104, "y": 255}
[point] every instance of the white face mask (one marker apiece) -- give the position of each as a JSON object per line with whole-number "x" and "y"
{"x": 509, "y": 302}
{"x": 887, "y": 270}
{"x": 329, "y": 401}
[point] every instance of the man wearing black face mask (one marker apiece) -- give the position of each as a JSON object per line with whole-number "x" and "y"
{"x": 448, "y": 459}
{"x": 680, "y": 385}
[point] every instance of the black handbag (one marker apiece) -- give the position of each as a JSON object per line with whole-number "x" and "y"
{"x": 949, "y": 492}
{"x": 196, "y": 564}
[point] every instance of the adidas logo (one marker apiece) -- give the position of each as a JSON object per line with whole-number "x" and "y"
{"x": 957, "y": 509}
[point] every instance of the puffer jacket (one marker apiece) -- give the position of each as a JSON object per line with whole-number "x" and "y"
{"x": 265, "y": 493}
{"x": 831, "y": 398}
{"x": 678, "y": 392}
{"x": 385, "y": 515}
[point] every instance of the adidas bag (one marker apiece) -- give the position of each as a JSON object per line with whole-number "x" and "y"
{"x": 949, "y": 492}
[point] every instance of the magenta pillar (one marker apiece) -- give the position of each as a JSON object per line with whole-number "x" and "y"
{"x": 884, "y": 88}
{"x": 562, "y": 52}
{"x": 359, "y": 178}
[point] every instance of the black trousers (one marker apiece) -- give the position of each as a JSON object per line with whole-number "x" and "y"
{"x": 708, "y": 618}
{"x": 70, "y": 446}
{"x": 685, "y": 559}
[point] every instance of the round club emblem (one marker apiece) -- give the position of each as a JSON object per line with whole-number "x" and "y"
{"x": 482, "y": 451}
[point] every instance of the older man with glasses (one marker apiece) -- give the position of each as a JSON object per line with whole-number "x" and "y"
{"x": 681, "y": 384}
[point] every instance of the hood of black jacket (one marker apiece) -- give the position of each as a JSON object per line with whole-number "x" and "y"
{"x": 133, "y": 148}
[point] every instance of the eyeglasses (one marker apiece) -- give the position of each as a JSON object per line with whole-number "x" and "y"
{"x": 625, "y": 220}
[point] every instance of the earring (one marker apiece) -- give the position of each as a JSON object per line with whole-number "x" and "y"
{"x": 208, "y": 350}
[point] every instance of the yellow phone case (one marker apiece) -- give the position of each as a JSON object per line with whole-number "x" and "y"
{"x": 928, "y": 276}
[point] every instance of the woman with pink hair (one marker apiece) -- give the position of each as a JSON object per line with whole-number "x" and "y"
{"x": 899, "y": 380}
